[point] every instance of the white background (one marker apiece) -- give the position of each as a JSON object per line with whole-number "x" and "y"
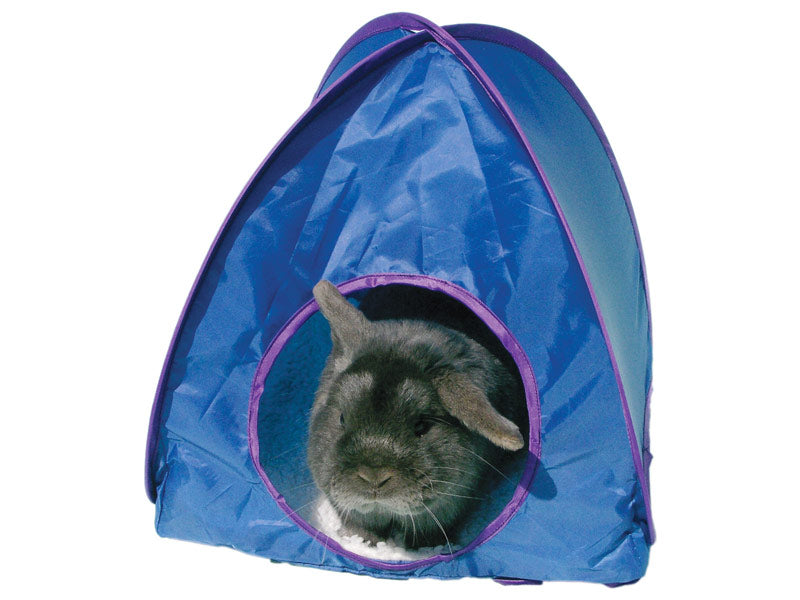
{"x": 127, "y": 133}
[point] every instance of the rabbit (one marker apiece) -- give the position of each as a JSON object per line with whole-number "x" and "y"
{"x": 408, "y": 417}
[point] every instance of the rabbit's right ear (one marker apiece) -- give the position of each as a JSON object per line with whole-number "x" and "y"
{"x": 467, "y": 403}
{"x": 349, "y": 326}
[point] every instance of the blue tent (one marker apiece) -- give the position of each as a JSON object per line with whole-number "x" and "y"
{"x": 462, "y": 161}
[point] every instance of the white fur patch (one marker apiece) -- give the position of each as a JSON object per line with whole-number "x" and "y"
{"x": 326, "y": 520}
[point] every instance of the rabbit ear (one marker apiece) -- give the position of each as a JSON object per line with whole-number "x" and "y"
{"x": 468, "y": 404}
{"x": 349, "y": 326}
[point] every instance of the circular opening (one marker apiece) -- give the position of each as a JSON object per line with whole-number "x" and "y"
{"x": 474, "y": 497}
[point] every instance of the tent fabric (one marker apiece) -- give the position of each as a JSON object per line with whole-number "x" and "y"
{"x": 441, "y": 158}
{"x": 580, "y": 166}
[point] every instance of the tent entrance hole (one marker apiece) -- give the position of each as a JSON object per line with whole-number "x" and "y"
{"x": 283, "y": 393}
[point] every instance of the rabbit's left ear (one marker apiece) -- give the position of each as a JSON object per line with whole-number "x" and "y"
{"x": 467, "y": 403}
{"x": 349, "y": 326}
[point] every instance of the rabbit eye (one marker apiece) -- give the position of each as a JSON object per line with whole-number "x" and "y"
{"x": 422, "y": 426}
{"x": 341, "y": 419}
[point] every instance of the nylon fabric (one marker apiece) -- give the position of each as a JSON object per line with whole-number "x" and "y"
{"x": 411, "y": 170}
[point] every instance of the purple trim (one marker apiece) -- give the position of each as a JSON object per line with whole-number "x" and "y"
{"x": 623, "y": 584}
{"x": 522, "y": 44}
{"x": 374, "y": 27}
{"x": 646, "y": 439}
{"x": 515, "y": 581}
{"x": 495, "y": 325}
{"x": 647, "y": 457}
{"x": 443, "y": 38}
{"x": 513, "y": 40}
{"x": 361, "y": 68}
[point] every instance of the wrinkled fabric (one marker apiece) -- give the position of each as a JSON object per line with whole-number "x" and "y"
{"x": 583, "y": 179}
{"x": 411, "y": 170}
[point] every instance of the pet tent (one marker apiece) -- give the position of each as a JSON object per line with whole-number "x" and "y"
{"x": 461, "y": 162}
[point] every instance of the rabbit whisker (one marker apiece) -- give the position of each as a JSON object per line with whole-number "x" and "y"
{"x": 503, "y": 475}
{"x": 440, "y": 526}
{"x": 324, "y": 544}
{"x": 290, "y": 449}
{"x": 453, "y": 469}
{"x": 466, "y": 487}
{"x": 325, "y": 548}
{"x": 295, "y": 511}
{"x": 297, "y": 487}
{"x": 424, "y": 474}
{"x": 459, "y": 496}
{"x": 414, "y": 529}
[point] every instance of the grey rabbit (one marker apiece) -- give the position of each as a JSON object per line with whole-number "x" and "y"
{"x": 407, "y": 419}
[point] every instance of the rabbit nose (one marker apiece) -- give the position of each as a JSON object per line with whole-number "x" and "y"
{"x": 376, "y": 477}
